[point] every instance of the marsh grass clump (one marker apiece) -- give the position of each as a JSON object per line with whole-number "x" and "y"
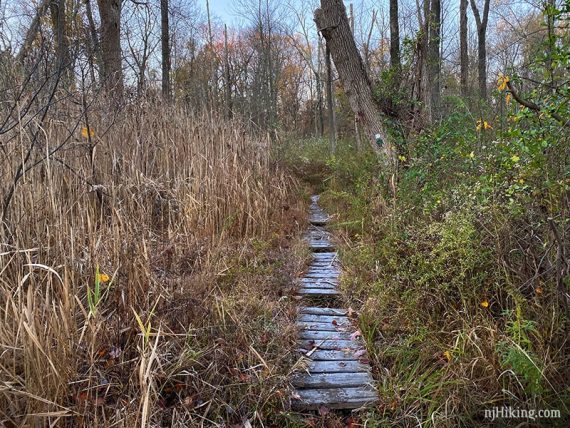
{"x": 141, "y": 272}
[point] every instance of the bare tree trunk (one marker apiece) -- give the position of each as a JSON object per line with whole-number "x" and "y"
{"x": 481, "y": 46}
{"x": 332, "y": 125}
{"x": 228, "y": 109}
{"x": 214, "y": 75}
{"x": 394, "y": 40}
{"x": 32, "y": 31}
{"x": 434, "y": 57}
{"x": 165, "y": 38}
{"x": 93, "y": 32}
{"x": 366, "y": 47}
{"x": 58, "y": 18}
{"x": 463, "y": 48}
{"x": 111, "y": 55}
{"x": 92, "y": 40}
{"x": 550, "y": 7}
{"x": 423, "y": 59}
{"x": 271, "y": 75}
{"x": 356, "y": 128}
{"x": 319, "y": 78}
{"x": 332, "y": 22}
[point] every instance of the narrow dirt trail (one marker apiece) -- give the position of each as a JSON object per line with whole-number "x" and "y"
{"x": 336, "y": 374}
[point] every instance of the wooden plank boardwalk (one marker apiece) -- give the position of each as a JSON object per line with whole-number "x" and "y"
{"x": 336, "y": 374}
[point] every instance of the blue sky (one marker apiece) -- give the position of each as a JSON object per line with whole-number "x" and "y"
{"x": 223, "y": 9}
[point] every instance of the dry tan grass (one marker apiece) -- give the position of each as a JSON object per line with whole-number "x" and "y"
{"x": 192, "y": 328}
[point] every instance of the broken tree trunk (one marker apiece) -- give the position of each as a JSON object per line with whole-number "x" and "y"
{"x": 332, "y": 22}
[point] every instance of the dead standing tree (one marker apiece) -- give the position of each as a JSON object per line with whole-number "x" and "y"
{"x": 332, "y": 22}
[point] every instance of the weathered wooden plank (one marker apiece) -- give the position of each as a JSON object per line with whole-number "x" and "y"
{"x": 318, "y": 291}
{"x": 320, "y": 326}
{"x": 348, "y": 366}
{"x": 329, "y": 279}
{"x": 327, "y": 275}
{"x": 326, "y": 279}
{"x": 329, "y": 272}
{"x": 318, "y": 233}
{"x": 326, "y": 285}
{"x": 315, "y": 310}
{"x": 322, "y": 270}
{"x": 319, "y": 238}
{"x": 321, "y": 335}
{"x": 324, "y": 264}
{"x": 331, "y": 380}
{"x": 334, "y": 319}
{"x": 318, "y": 215}
{"x": 324, "y": 243}
{"x": 320, "y": 263}
{"x": 335, "y": 398}
{"x": 334, "y": 345}
{"x": 323, "y": 273}
{"x": 326, "y": 256}
{"x": 316, "y": 283}
{"x": 323, "y": 267}
{"x": 321, "y": 243}
{"x": 333, "y": 355}
{"x": 326, "y": 259}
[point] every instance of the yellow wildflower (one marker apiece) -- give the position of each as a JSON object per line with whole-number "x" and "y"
{"x": 103, "y": 277}
{"x": 515, "y": 158}
{"x": 485, "y": 304}
{"x": 483, "y": 124}
{"x": 447, "y": 355}
{"x": 472, "y": 155}
{"x": 402, "y": 158}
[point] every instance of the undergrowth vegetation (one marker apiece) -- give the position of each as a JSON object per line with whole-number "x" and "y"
{"x": 460, "y": 270}
{"x": 142, "y": 275}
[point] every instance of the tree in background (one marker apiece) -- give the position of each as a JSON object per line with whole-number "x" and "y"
{"x": 111, "y": 55}
{"x": 481, "y": 22}
{"x": 332, "y": 22}
{"x": 463, "y": 48}
{"x": 395, "y": 63}
{"x": 434, "y": 57}
{"x": 165, "y": 39}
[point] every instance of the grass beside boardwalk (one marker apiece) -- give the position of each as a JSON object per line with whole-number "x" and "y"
{"x": 159, "y": 295}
